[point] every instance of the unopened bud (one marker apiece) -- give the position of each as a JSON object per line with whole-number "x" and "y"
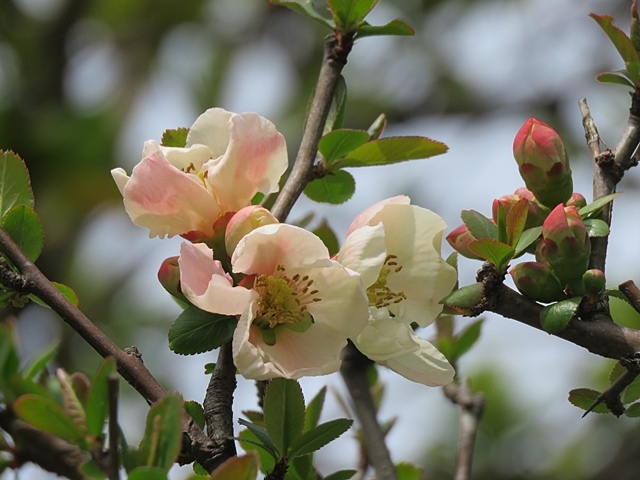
{"x": 169, "y": 277}
{"x": 593, "y": 281}
{"x": 459, "y": 239}
{"x": 577, "y": 200}
{"x": 244, "y": 221}
{"x": 537, "y": 282}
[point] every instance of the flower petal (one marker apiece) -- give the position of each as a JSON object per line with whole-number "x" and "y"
{"x": 189, "y": 160}
{"x": 364, "y": 217}
{"x": 211, "y": 129}
{"x": 364, "y": 251}
{"x": 295, "y": 354}
{"x": 384, "y": 337}
{"x": 204, "y": 282}
{"x": 166, "y": 200}
{"x": 426, "y": 365}
{"x": 121, "y": 178}
{"x": 263, "y": 249}
{"x": 254, "y": 161}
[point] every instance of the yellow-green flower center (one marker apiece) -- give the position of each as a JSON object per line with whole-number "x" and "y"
{"x": 283, "y": 302}
{"x": 379, "y": 294}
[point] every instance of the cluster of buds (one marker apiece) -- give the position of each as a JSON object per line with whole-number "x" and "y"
{"x": 562, "y": 253}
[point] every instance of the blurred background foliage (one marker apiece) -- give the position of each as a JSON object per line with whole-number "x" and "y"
{"x": 84, "y": 82}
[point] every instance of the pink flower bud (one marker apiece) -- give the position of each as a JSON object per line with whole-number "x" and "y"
{"x": 593, "y": 281}
{"x": 535, "y": 215}
{"x": 565, "y": 244}
{"x": 169, "y": 277}
{"x": 244, "y": 221}
{"x": 459, "y": 239}
{"x": 577, "y": 200}
{"x": 543, "y": 162}
{"x": 537, "y": 281}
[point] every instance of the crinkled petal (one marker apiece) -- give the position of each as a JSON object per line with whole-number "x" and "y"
{"x": 384, "y": 337}
{"x": 414, "y": 235}
{"x": 166, "y": 200}
{"x": 189, "y": 159}
{"x": 211, "y": 129}
{"x": 295, "y": 354}
{"x": 342, "y": 303}
{"x": 263, "y": 249}
{"x": 426, "y": 365}
{"x": 121, "y": 178}
{"x": 364, "y": 251}
{"x": 364, "y": 217}
{"x": 204, "y": 282}
{"x": 254, "y": 161}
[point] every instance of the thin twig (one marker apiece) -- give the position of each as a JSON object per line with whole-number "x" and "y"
{"x": 471, "y": 410}
{"x": 353, "y": 370}
{"x": 336, "y": 52}
{"x": 114, "y": 429}
{"x": 32, "y": 281}
{"x": 632, "y": 293}
{"x": 611, "y": 396}
{"x": 218, "y": 403}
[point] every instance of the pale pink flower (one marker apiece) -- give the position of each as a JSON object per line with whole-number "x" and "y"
{"x": 296, "y": 306}
{"x": 395, "y": 247}
{"x": 182, "y": 191}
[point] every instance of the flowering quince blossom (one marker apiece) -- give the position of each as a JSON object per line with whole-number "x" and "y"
{"x": 395, "y": 247}
{"x": 296, "y": 306}
{"x": 228, "y": 158}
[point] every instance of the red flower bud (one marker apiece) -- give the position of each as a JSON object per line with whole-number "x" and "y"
{"x": 169, "y": 277}
{"x": 459, "y": 239}
{"x": 537, "y": 281}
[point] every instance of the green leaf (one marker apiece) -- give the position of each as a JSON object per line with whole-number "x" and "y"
{"x": 556, "y": 317}
{"x": 72, "y": 406}
{"x": 338, "y": 143}
{"x": 479, "y": 226}
{"x": 237, "y": 468}
{"x": 23, "y": 224}
{"x": 283, "y": 412}
{"x": 37, "y": 365}
{"x": 92, "y": 471}
{"x": 516, "y": 219}
{"x": 195, "y": 411}
{"x": 197, "y": 331}
{"x": 305, "y": 8}
{"x": 65, "y": 290}
{"x": 377, "y": 127}
{"x": 465, "y": 299}
{"x": 596, "y": 227}
{"x": 407, "y": 471}
{"x": 336, "y": 109}
{"x": 148, "y": 473}
{"x": 328, "y": 237}
{"x": 262, "y": 436}
{"x": 334, "y": 188}
{"x": 9, "y": 360}
{"x": 341, "y": 475}
{"x": 615, "y": 78}
{"x": 593, "y": 208}
{"x": 466, "y": 339}
{"x": 15, "y": 185}
{"x": 584, "y": 397}
{"x": 250, "y": 443}
{"x": 529, "y": 236}
{"x": 395, "y": 27}
{"x": 632, "y": 392}
{"x": 633, "y": 410}
{"x": 301, "y": 468}
{"x": 390, "y": 150}
{"x": 175, "y": 137}
{"x": 318, "y": 437}
{"x": 48, "y": 416}
{"x": 619, "y": 39}
{"x": 616, "y": 371}
{"x": 98, "y": 400}
{"x": 497, "y": 253}
{"x": 163, "y": 433}
{"x": 348, "y": 13}
{"x": 314, "y": 409}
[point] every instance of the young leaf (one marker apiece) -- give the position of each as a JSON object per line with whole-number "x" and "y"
{"x": 556, "y": 317}
{"x": 48, "y": 416}
{"x": 495, "y": 252}
{"x": 616, "y": 371}
{"x": 336, "y": 109}
{"x": 341, "y": 475}
{"x": 632, "y": 392}
{"x": 283, "y": 412}
{"x": 516, "y": 218}
{"x": 328, "y": 237}
{"x": 36, "y": 366}
{"x": 593, "y": 208}
{"x": 23, "y": 224}
{"x": 261, "y": 434}
{"x": 584, "y": 397}
{"x": 338, "y": 143}
{"x": 318, "y": 437}
{"x": 619, "y": 39}
{"x": 195, "y": 411}
{"x": 98, "y": 401}
{"x": 314, "y": 409}
{"x": 389, "y": 150}
{"x": 348, "y": 13}
{"x": 465, "y": 299}
{"x": 479, "y": 226}
{"x": 467, "y": 339}
{"x": 529, "y": 236}
{"x": 615, "y": 78}
{"x": 407, "y": 471}
{"x": 92, "y": 471}
{"x": 395, "y": 27}
{"x": 305, "y": 8}
{"x": 633, "y": 410}
{"x": 65, "y": 290}
{"x": 15, "y": 185}
{"x": 596, "y": 227}
{"x": 377, "y": 127}
{"x": 163, "y": 434}
{"x": 148, "y": 473}
{"x": 334, "y": 188}
{"x": 197, "y": 331}
{"x": 175, "y": 137}
{"x": 237, "y": 468}
{"x": 72, "y": 406}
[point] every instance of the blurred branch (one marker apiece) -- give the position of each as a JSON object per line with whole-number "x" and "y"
{"x": 632, "y": 293}
{"x": 114, "y": 429}
{"x": 335, "y": 58}
{"x": 471, "y": 410}
{"x": 31, "y": 280}
{"x": 354, "y": 372}
{"x": 611, "y": 396}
